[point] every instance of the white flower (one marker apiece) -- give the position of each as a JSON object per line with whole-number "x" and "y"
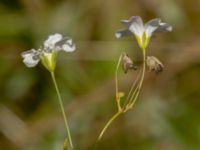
{"x": 47, "y": 53}
{"x": 143, "y": 32}
{"x": 58, "y": 42}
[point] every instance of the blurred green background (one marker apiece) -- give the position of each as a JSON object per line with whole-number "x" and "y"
{"x": 166, "y": 116}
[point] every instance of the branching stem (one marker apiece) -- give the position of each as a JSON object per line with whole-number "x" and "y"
{"x": 138, "y": 89}
{"x": 108, "y": 123}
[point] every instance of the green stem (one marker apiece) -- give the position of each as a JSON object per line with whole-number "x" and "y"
{"x": 108, "y": 123}
{"x": 62, "y": 109}
{"x": 116, "y": 84}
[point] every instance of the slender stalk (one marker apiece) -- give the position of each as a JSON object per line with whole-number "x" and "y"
{"x": 137, "y": 90}
{"x": 117, "y": 99}
{"x": 116, "y": 84}
{"x": 134, "y": 96}
{"x": 62, "y": 109}
{"x": 108, "y": 123}
{"x": 133, "y": 86}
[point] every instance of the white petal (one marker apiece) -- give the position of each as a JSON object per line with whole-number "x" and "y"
{"x": 151, "y": 26}
{"x": 68, "y": 48}
{"x": 118, "y": 34}
{"x": 65, "y": 44}
{"x": 29, "y": 61}
{"x": 122, "y": 33}
{"x": 52, "y": 40}
{"x": 25, "y": 53}
{"x": 137, "y": 26}
{"x": 70, "y": 41}
{"x": 164, "y": 27}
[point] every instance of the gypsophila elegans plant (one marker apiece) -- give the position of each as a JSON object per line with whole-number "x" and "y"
{"x": 47, "y": 54}
{"x": 143, "y": 34}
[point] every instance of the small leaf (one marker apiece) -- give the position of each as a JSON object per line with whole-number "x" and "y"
{"x": 120, "y": 94}
{"x": 65, "y": 147}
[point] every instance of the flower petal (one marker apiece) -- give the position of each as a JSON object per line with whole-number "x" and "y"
{"x": 131, "y": 20}
{"x": 30, "y": 58}
{"x": 68, "y": 48}
{"x": 151, "y": 26}
{"x": 122, "y": 33}
{"x": 52, "y": 40}
{"x": 65, "y": 44}
{"x": 163, "y": 27}
{"x": 25, "y": 53}
{"x": 136, "y": 26}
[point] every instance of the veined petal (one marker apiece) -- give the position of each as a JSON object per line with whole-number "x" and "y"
{"x": 163, "y": 27}
{"x": 122, "y": 33}
{"x": 63, "y": 41}
{"x": 126, "y": 22}
{"x": 30, "y": 59}
{"x": 131, "y": 20}
{"x": 66, "y": 44}
{"x": 151, "y": 26}
{"x": 136, "y": 26}
{"x": 52, "y": 40}
{"x": 68, "y": 48}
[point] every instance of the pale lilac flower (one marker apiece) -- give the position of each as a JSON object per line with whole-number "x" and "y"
{"x": 143, "y": 32}
{"x": 54, "y": 43}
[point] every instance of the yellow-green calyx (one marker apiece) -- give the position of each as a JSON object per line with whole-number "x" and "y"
{"x": 49, "y": 60}
{"x": 143, "y": 41}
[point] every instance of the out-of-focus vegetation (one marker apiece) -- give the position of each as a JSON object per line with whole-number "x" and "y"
{"x": 166, "y": 117}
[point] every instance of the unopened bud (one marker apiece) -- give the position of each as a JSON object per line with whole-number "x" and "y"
{"x": 127, "y": 63}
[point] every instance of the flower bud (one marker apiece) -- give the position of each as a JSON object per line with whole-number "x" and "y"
{"x": 127, "y": 63}
{"x": 154, "y": 64}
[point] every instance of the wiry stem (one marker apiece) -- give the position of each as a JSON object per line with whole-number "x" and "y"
{"x": 117, "y": 100}
{"x": 138, "y": 89}
{"x": 131, "y": 99}
{"x": 128, "y": 98}
{"x": 62, "y": 109}
{"x": 108, "y": 123}
{"x": 116, "y": 84}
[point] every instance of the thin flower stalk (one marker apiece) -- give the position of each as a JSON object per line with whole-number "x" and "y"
{"x": 109, "y": 123}
{"x": 132, "y": 90}
{"x": 116, "y": 85}
{"x": 62, "y": 109}
{"x": 118, "y": 100}
{"x": 138, "y": 89}
{"x": 47, "y": 55}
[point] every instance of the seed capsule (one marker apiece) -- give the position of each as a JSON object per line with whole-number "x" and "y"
{"x": 154, "y": 64}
